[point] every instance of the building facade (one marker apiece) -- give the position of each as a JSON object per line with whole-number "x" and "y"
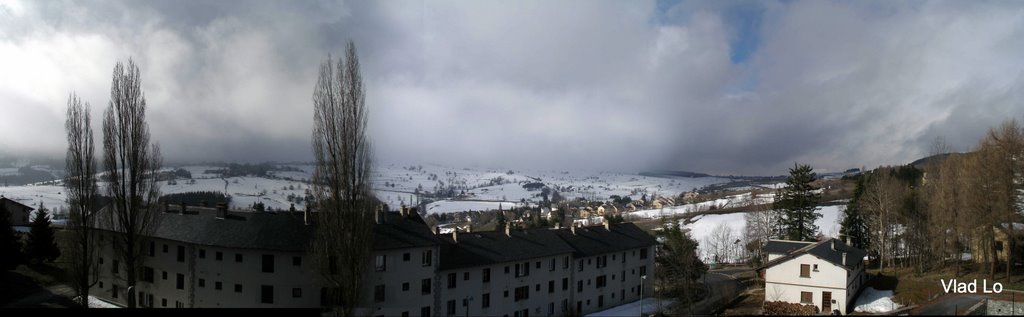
{"x": 826, "y": 274}
{"x": 19, "y": 212}
{"x": 206, "y": 257}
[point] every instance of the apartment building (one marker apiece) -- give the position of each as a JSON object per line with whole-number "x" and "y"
{"x": 206, "y": 257}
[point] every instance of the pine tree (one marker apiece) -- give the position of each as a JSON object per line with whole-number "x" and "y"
{"x": 10, "y": 244}
{"x": 41, "y": 246}
{"x": 798, "y": 202}
{"x": 854, "y": 227}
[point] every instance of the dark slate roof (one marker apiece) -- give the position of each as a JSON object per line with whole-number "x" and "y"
{"x": 400, "y": 232}
{"x": 281, "y": 231}
{"x": 823, "y": 250}
{"x": 784, "y": 246}
{"x": 15, "y": 203}
{"x": 487, "y": 247}
{"x": 594, "y": 240}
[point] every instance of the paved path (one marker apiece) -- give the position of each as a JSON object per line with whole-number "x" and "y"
{"x": 950, "y": 304}
{"x": 54, "y": 296}
{"x": 723, "y": 289}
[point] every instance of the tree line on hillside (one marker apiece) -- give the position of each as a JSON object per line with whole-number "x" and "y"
{"x": 965, "y": 203}
{"x": 198, "y": 198}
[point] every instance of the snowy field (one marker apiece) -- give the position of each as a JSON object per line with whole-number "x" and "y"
{"x": 396, "y": 184}
{"x": 875, "y": 301}
{"x": 740, "y": 200}
{"x": 704, "y": 225}
{"x": 650, "y": 306}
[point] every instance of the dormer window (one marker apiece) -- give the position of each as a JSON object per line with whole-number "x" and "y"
{"x": 815, "y": 267}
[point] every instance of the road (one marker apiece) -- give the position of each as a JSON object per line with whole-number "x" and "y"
{"x": 54, "y": 296}
{"x": 950, "y": 304}
{"x": 723, "y": 288}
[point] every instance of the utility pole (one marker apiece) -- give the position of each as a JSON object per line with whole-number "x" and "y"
{"x": 642, "y": 278}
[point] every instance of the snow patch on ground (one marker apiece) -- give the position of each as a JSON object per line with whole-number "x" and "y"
{"x": 704, "y": 225}
{"x": 875, "y": 301}
{"x": 651, "y": 305}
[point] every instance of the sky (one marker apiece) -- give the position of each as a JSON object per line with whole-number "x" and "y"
{"x": 723, "y": 87}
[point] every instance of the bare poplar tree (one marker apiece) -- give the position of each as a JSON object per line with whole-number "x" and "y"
{"x": 80, "y": 183}
{"x": 341, "y": 181}
{"x": 882, "y": 199}
{"x": 131, "y": 164}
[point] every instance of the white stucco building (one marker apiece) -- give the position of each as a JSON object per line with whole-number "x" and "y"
{"x": 827, "y": 274}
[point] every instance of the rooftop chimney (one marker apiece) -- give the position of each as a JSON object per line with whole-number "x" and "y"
{"x": 222, "y": 210}
{"x": 404, "y": 211}
{"x": 607, "y": 224}
{"x": 305, "y": 216}
{"x": 833, "y": 244}
{"x": 844, "y": 258}
{"x": 455, "y": 236}
{"x": 508, "y": 229}
{"x": 379, "y": 215}
{"x": 573, "y": 228}
{"x": 558, "y": 225}
{"x": 437, "y": 229}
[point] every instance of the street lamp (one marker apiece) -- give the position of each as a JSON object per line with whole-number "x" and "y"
{"x": 642, "y": 278}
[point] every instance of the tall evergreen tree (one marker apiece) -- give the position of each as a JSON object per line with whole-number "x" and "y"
{"x": 10, "y": 245}
{"x": 854, "y": 227}
{"x": 41, "y": 246}
{"x": 798, "y": 201}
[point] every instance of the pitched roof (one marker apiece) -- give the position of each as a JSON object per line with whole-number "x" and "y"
{"x": 12, "y": 202}
{"x": 281, "y": 231}
{"x": 784, "y": 246}
{"x": 830, "y": 250}
{"x": 594, "y": 240}
{"x": 488, "y": 247}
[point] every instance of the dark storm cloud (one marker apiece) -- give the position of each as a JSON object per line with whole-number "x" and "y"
{"x": 611, "y": 85}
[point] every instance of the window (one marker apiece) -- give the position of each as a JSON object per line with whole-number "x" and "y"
{"x": 180, "y": 281}
{"x": 266, "y": 294}
{"x": 580, "y": 266}
{"x": 165, "y": 248}
{"x": 101, "y": 260}
{"x": 538, "y": 288}
{"x": 551, "y": 308}
{"x": 579, "y": 286}
{"x": 202, "y": 253}
{"x": 451, "y": 307}
{"x": 152, "y": 248}
{"x": 643, "y": 253}
{"x": 406, "y": 257}
{"x": 815, "y": 267}
{"x": 268, "y": 263}
{"x": 115, "y": 267}
{"x": 163, "y": 275}
{"x": 220, "y": 256}
{"x": 465, "y": 276}
{"x": 425, "y": 311}
{"x": 565, "y": 262}
{"x": 378, "y": 293}
{"x": 296, "y": 292}
{"x": 643, "y": 270}
{"x": 602, "y": 281}
{"x": 217, "y": 286}
{"x": 163, "y": 302}
{"x": 551, "y": 286}
{"x": 523, "y": 269}
{"x": 805, "y": 270}
{"x": 405, "y": 314}
{"x": 451, "y": 280}
{"x": 297, "y": 260}
{"x": 487, "y": 275}
{"x": 238, "y": 257}
{"x": 181, "y": 253}
{"x": 522, "y": 293}
{"x": 114, "y": 291}
{"x": 623, "y": 257}
{"x": 101, "y": 284}
{"x": 565, "y": 305}
{"x": 506, "y": 269}
{"x": 425, "y": 286}
{"x": 238, "y": 288}
{"x": 202, "y": 283}
{"x": 806, "y": 298}
{"x": 380, "y": 263}
{"x": 565, "y": 283}
{"x": 147, "y": 274}
{"x": 505, "y": 294}
{"x": 485, "y": 300}
{"x": 623, "y": 275}
{"x": 428, "y": 258}
{"x": 538, "y": 264}
{"x": 600, "y": 301}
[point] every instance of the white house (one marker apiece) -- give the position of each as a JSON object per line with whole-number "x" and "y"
{"x": 827, "y": 274}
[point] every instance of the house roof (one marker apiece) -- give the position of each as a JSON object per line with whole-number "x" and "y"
{"x": 15, "y": 203}
{"x": 470, "y": 249}
{"x": 594, "y": 240}
{"x": 784, "y": 246}
{"x": 824, "y": 250}
{"x": 488, "y": 247}
{"x": 281, "y": 231}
